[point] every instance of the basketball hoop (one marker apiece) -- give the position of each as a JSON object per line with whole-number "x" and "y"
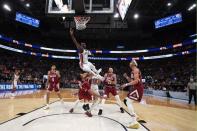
{"x": 81, "y": 22}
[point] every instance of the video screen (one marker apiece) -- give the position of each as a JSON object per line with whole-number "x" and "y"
{"x": 123, "y": 6}
{"x": 177, "y": 18}
{"x": 27, "y": 20}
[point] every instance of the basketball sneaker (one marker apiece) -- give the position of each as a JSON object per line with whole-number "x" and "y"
{"x": 71, "y": 110}
{"x": 134, "y": 126}
{"x": 87, "y": 107}
{"x": 46, "y": 107}
{"x": 100, "y": 112}
{"x": 121, "y": 110}
{"x": 89, "y": 114}
{"x": 84, "y": 107}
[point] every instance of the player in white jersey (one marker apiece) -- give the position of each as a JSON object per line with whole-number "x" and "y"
{"x": 15, "y": 81}
{"x": 85, "y": 65}
{"x": 94, "y": 84}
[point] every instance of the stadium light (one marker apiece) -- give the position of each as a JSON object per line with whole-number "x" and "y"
{"x": 27, "y": 5}
{"x": 116, "y": 15}
{"x": 169, "y": 4}
{"x": 7, "y": 7}
{"x": 193, "y": 35}
{"x": 191, "y": 7}
{"x": 136, "y": 16}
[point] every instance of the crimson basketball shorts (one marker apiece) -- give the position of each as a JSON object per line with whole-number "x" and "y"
{"x": 84, "y": 95}
{"x": 110, "y": 89}
{"x": 54, "y": 87}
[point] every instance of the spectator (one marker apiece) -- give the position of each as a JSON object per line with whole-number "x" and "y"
{"x": 192, "y": 87}
{"x": 161, "y": 74}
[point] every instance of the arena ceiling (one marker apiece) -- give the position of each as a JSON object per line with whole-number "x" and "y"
{"x": 132, "y": 30}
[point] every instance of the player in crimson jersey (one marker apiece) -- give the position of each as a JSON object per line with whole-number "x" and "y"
{"x": 135, "y": 93}
{"x": 83, "y": 93}
{"x": 53, "y": 84}
{"x": 110, "y": 87}
{"x": 86, "y": 92}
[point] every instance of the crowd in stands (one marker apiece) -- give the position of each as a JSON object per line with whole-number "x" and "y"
{"x": 163, "y": 74}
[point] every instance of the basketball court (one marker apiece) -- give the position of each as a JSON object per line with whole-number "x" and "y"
{"x": 31, "y": 116}
{"x": 58, "y": 118}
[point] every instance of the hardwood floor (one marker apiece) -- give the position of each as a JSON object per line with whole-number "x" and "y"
{"x": 161, "y": 114}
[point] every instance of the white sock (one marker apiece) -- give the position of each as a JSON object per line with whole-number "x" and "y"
{"x": 118, "y": 100}
{"x": 62, "y": 101}
{"x": 93, "y": 68}
{"x": 131, "y": 109}
{"x": 76, "y": 103}
{"x": 95, "y": 104}
{"x": 102, "y": 104}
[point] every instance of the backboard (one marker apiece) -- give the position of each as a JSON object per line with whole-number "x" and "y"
{"x": 67, "y": 7}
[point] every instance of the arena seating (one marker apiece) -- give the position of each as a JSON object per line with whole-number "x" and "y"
{"x": 160, "y": 74}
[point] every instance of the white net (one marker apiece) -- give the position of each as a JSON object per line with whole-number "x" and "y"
{"x": 81, "y": 22}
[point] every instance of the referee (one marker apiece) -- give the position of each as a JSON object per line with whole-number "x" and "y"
{"x": 192, "y": 86}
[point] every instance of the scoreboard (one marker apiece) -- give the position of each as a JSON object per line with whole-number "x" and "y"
{"x": 177, "y": 18}
{"x": 27, "y": 20}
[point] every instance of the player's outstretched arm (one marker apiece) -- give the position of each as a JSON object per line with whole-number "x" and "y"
{"x": 134, "y": 82}
{"x": 79, "y": 47}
